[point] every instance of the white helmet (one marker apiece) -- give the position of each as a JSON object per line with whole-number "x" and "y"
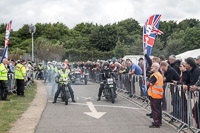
{"x": 66, "y": 60}
{"x": 48, "y": 62}
{"x": 54, "y": 62}
{"x": 58, "y": 64}
{"x": 63, "y": 66}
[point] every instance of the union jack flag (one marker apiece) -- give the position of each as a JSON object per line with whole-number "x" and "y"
{"x": 7, "y": 37}
{"x": 150, "y": 31}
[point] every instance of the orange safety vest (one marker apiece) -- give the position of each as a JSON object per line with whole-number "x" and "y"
{"x": 66, "y": 64}
{"x": 156, "y": 91}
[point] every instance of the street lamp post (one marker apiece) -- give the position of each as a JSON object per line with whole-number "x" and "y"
{"x": 32, "y": 30}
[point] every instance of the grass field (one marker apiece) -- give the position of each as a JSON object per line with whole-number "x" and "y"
{"x": 11, "y": 110}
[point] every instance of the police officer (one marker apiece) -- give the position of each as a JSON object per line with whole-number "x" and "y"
{"x": 106, "y": 72}
{"x": 63, "y": 73}
{"x": 20, "y": 76}
{"x": 155, "y": 93}
{"x": 4, "y": 80}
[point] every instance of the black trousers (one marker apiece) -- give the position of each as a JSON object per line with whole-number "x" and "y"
{"x": 20, "y": 87}
{"x": 60, "y": 88}
{"x": 156, "y": 110}
{"x": 4, "y": 89}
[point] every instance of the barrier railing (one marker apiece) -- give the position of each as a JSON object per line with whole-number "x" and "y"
{"x": 12, "y": 82}
{"x": 178, "y": 105}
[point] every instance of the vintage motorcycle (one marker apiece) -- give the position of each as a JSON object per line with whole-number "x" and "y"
{"x": 65, "y": 94}
{"x": 77, "y": 75}
{"x": 109, "y": 89}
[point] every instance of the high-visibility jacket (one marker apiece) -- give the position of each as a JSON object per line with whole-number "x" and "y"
{"x": 52, "y": 68}
{"x": 20, "y": 71}
{"x": 56, "y": 69}
{"x": 3, "y": 72}
{"x": 40, "y": 67}
{"x": 156, "y": 91}
{"x": 63, "y": 75}
{"x": 48, "y": 67}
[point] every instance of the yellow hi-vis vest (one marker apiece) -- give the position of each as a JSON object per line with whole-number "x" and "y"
{"x": 40, "y": 67}
{"x": 63, "y": 75}
{"x": 3, "y": 72}
{"x": 156, "y": 91}
{"x": 56, "y": 69}
{"x": 20, "y": 71}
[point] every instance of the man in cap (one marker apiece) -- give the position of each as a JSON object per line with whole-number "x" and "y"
{"x": 20, "y": 76}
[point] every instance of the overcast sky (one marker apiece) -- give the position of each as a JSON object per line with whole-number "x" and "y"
{"x": 72, "y": 12}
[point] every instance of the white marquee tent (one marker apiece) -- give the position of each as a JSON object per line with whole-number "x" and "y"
{"x": 191, "y": 53}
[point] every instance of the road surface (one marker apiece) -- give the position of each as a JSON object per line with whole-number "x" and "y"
{"x": 91, "y": 116}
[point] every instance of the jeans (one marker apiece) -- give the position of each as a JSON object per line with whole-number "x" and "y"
{"x": 60, "y": 89}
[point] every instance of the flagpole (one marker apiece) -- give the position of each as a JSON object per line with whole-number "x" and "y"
{"x": 144, "y": 68}
{"x": 7, "y": 36}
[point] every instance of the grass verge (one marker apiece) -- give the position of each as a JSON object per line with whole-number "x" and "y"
{"x": 11, "y": 110}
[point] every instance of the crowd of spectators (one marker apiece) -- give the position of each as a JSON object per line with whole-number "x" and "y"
{"x": 11, "y": 83}
{"x": 178, "y": 72}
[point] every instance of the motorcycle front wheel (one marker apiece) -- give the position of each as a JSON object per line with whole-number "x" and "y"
{"x": 66, "y": 100}
{"x": 112, "y": 95}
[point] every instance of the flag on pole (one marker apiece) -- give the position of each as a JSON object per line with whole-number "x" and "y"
{"x": 7, "y": 37}
{"x": 150, "y": 30}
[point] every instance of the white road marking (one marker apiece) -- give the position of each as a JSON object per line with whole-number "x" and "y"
{"x": 108, "y": 106}
{"x": 94, "y": 112}
{"x": 87, "y": 98}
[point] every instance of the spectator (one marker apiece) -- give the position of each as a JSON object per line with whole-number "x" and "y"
{"x": 12, "y": 66}
{"x": 184, "y": 77}
{"x": 194, "y": 72}
{"x": 174, "y": 63}
{"x": 155, "y": 93}
{"x": 134, "y": 69}
{"x": 162, "y": 58}
{"x": 141, "y": 63}
{"x": 170, "y": 72}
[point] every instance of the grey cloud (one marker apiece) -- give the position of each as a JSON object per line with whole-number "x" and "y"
{"x": 72, "y": 12}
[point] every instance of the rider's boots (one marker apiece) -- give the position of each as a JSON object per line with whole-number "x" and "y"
{"x": 99, "y": 98}
{"x": 55, "y": 99}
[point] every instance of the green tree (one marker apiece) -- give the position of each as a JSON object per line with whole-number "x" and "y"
{"x": 120, "y": 49}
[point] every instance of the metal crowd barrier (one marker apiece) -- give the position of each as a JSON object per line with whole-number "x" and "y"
{"x": 194, "y": 111}
{"x": 178, "y": 105}
{"x": 12, "y": 81}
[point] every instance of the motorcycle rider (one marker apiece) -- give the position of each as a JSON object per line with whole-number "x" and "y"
{"x": 106, "y": 72}
{"x": 39, "y": 72}
{"x": 63, "y": 73}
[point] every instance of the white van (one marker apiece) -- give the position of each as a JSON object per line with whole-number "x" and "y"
{"x": 134, "y": 58}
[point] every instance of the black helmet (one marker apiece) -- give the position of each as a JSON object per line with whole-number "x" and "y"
{"x": 106, "y": 64}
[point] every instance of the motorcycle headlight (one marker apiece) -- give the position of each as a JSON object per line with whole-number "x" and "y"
{"x": 110, "y": 81}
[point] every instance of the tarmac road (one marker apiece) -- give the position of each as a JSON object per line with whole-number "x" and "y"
{"x": 122, "y": 117}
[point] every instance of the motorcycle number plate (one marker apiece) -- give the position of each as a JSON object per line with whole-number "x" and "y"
{"x": 110, "y": 85}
